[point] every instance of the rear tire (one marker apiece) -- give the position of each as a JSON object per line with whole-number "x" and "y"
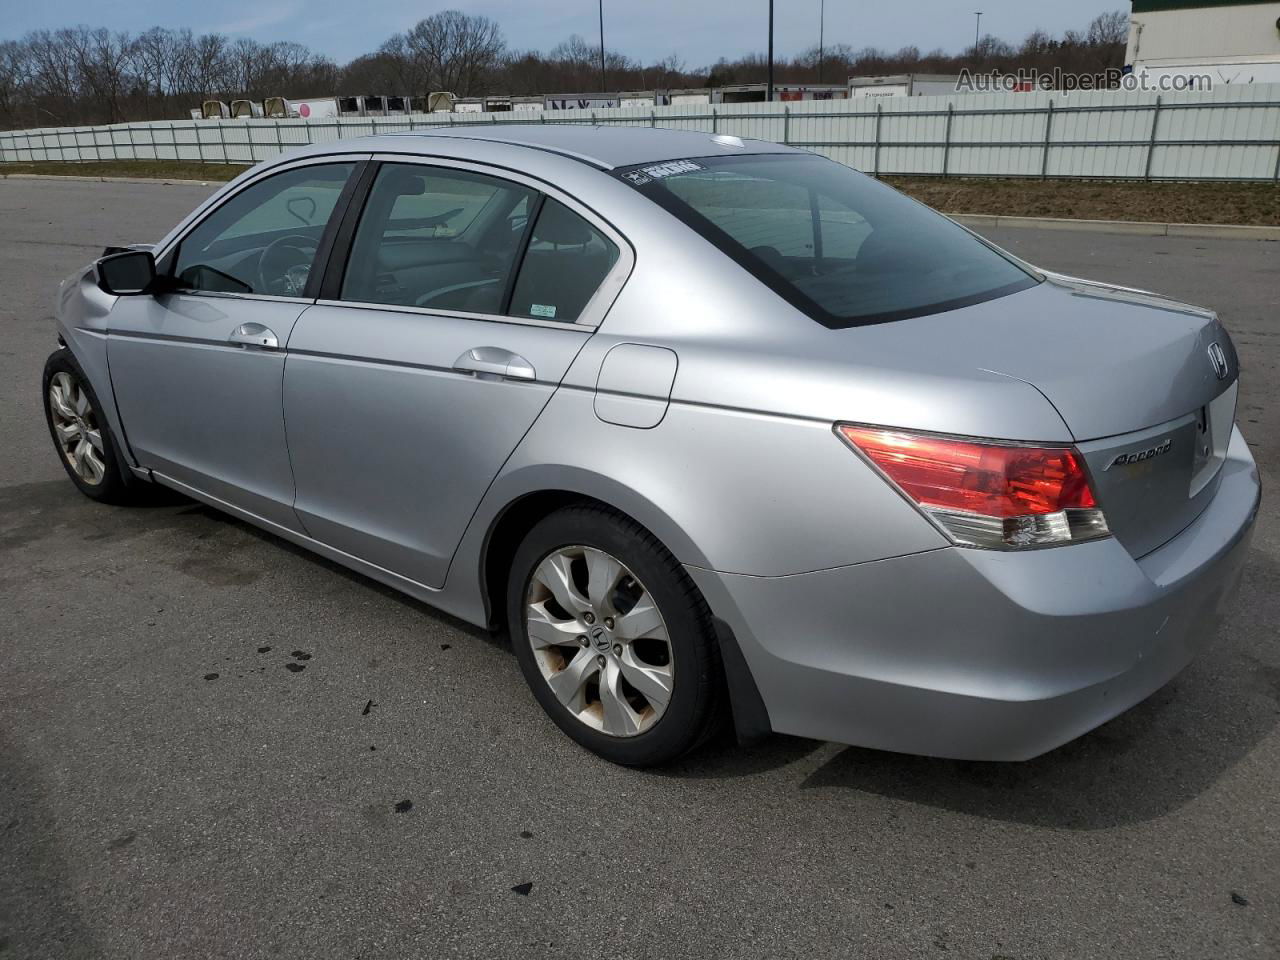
{"x": 619, "y": 650}
{"x": 80, "y": 433}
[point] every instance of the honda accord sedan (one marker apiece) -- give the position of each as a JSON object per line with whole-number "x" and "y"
{"x": 723, "y": 434}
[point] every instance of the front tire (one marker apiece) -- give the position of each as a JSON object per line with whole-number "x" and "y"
{"x": 613, "y": 638}
{"x": 80, "y": 432}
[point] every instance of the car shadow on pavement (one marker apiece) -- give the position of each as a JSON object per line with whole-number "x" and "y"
{"x": 31, "y": 512}
{"x": 200, "y": 510}
{"x": 724, "y": 759}
{"x": 1144, "y": 764}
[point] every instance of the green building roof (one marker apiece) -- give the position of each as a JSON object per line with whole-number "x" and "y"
{"x": 1151, "y": 6}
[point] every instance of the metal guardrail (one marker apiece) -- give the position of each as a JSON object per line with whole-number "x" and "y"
{"x": 248, "y": 141}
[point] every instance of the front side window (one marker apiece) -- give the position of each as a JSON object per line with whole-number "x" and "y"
{"x": 264, "y": 239}
{"x": 842, "y": 247}
{"x": 437, "y": 238}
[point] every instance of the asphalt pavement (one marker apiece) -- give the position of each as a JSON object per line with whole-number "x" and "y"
{"x": 172, "y": 785}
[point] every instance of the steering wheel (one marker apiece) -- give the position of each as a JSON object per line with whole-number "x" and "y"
{"x": 285, "y": 264}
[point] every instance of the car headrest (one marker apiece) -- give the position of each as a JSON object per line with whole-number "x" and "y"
{"x": 887, "y": 249}
{"x": 408, "y": 184}
{"x": 560, "y": 226}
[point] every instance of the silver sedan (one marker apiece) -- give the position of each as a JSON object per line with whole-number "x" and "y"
{"x": 725, "y": 435}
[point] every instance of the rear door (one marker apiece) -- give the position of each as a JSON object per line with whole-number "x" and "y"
{"x": 436, "y": 343}
{"x": 197, "y": 370}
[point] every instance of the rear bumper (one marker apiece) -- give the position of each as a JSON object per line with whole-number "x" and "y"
{"x": 986, "y": 655}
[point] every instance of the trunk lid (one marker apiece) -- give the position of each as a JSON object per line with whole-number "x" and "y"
{"x": 1148, "y": 388}
{"x": 1112, "y": 360}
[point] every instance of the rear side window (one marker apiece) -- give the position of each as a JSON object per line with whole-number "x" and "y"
{"x": 565, "y": 264}
{"x": 842, "y": 247}
{"x": 437, "y": 238}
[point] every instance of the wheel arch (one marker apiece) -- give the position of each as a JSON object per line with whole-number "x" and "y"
{"x": 504, "y": 536}
{"x": 512, "y": 523}
{"x": 510, "y": 526}
{"x": 87, "y": 355}
{"x": 82, "y": 315}
{"x": 519, "y": 499}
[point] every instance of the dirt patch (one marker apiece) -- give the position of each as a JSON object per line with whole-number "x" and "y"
{"x": 149, "y": 169}
{"x": 1239, "y": 203}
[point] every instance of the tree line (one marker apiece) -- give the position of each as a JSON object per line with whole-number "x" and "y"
{"x": 87, "y": 75}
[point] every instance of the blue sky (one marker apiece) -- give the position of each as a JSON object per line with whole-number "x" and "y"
{"x": 698, "y": 32}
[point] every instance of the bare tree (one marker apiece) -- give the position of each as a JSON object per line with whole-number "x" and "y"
{"x": 1037, "y": 43}
{"x": 991, "y": 50}
{"x": 1107, "y": 29}
{"x": 15, "y": 67}
{"x": 669, "y": 71}
{"x": 208, "y": 67}
{"x": 104, "y": 62}
{"x": 87, "y": 75}
{"x": 455, "y": 51}
{"x": 1107, "y": 36}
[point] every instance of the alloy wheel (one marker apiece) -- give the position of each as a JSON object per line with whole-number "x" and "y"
{"x": 76, "y": 428}
{"x": 599, "y": 640}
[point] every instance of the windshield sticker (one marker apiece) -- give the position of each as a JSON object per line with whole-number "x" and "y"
{"x": 660, "y": 170}
{"x": 543, "y": 310}
{"x": 671, "y": 168}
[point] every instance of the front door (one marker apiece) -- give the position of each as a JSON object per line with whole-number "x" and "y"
{"x": 197, "y": 372}
{"x": 409, "y": 387}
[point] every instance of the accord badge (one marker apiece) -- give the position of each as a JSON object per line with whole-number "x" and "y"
{"x": 1137, "y": 456}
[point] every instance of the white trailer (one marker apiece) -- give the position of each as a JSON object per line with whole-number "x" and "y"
{"x": 902, "y": 85}
{"x": 782, "y": 92}
{"x": 323, "y": 108}
{"x": 687, "y": 97}
{"x": 245, "y": 109}
{"x": 580, "y": 101}
{"x": 440, "y": 101}
{"x": 1227, "y": 42}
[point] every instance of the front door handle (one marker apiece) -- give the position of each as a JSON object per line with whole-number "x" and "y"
{"x": 496, "y": 363}
{"x": 254, "y": 335}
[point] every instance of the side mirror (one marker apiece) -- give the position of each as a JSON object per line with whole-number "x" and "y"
{"x": 127, "y": 274}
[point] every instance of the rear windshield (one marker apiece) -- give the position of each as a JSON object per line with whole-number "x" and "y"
{"x": 841, "y": 246}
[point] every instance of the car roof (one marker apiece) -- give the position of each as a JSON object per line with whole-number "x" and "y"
{"x": 606, "y": 147}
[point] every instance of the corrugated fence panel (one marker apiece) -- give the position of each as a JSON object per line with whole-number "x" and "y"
{"x": 1229, "y": 133}
{"x": 1218, "y": 143}
{"x": 912, "y": 137}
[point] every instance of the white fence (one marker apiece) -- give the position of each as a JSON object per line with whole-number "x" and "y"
{"x": 1232, "y": 133}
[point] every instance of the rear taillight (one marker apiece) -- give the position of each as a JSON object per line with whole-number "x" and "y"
{"x": 986, "y": 494}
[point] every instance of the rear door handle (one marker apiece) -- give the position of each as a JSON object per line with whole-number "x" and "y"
{"x": 254, "y": 335}
{"x": 495, "y": 362}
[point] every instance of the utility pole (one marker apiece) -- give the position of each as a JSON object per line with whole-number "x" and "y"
{"x": 603, "y": 88}
{"x": 769, "y": 86}
{"x": 822, "y": 22}
{"x": 977, "y": 30}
